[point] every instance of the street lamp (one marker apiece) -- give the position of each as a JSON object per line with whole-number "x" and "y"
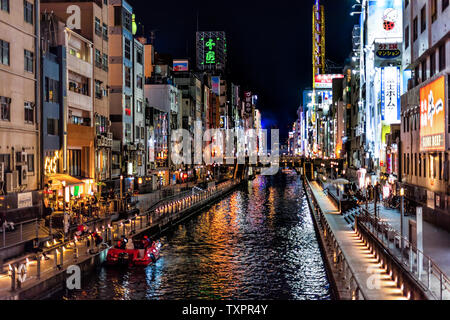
{"x": 402, "y": 208}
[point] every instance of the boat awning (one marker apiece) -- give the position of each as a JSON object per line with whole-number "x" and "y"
{"x": 59, "y": 178}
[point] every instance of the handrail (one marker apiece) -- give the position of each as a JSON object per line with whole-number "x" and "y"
{"x": 310, "y": 195}
{"x": 385, "y": 228}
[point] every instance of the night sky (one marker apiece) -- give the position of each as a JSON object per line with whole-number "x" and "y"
{"x": 269, "y": 43}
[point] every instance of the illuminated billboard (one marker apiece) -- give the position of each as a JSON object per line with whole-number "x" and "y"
{"x": 325, "y": 81}
{"x": 385, "y": 20}
{"x": 180, "y": 65}
{"x": 211, "y": 50}
{"x": 432, "y": 116}
{"x": 390, "y": 95}
{"x": 215, "y": 83}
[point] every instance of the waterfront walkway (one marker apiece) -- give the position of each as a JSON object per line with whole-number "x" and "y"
{"x": 374, "y": 281}
{"x": 436, "y": 241}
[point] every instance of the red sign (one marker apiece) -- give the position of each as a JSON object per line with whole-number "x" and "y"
{"x": 325, "y": 81}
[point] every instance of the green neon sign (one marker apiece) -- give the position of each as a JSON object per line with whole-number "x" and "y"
{"x": 210, "y": 54}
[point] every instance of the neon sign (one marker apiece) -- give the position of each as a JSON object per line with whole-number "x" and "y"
{"x": 210, "y": 54}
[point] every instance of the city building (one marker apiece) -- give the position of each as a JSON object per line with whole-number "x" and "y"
{"x": 425, "y": 126}
{"x": 20, "y": 109}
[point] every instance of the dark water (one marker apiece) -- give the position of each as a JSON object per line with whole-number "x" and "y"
{"x": 257, "y": 243}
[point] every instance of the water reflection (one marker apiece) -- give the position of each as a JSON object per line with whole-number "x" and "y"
{"x": 257, "y": 243}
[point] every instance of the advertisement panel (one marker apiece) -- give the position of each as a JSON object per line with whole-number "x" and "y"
{"x": 432, "y": 116}
{"x": 390, "y": 95}
{"x": 387, "y": 53}
{"x": 325, "y": 81}
{"x": 385, "y": 20}
{"x": 215, "y": 83}
{"x": 180, "y": 65}
{"x": 248, "y": 102}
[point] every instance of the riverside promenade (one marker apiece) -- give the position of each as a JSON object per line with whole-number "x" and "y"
{"x": 37, "y": 276}
{"x": 352, "y": 261}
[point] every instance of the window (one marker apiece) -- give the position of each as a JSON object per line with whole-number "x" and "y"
{"x": 127, "y": 49}
{"x": 5, "y": 109}
{"x": 139, "y": 82}
{"x": 29, "y": 112}
{"x": 440, "y": 166}
{"x": 142, "y": 133}
{"x": 127, "y": 77}
{"x": 432, "y": 63}
{"x": 4, "y": 5}
{"x": 416, "y": 76}
{"x": 423, "y": 19}
{"x": 4, "y": 52}
{"x": 127, "y": 130}
{"x": 415, "y": 29}
{"x": 433, "y": 10}
{"x": 75, "y": 163}
{"x": 138, "y": 131}
{"x": 424, "y": 70}
{"x": 415, "y": 164}
{"x": 28, "y": 11}
{"x": 105, "y": 31}
{"x": 407, "y": 166}
{"x": 105, "y": 62}
{"x": 407, "y": 37}
{"x": 52, "y": 127}
{"x": 117, "y": 16}
{"x": 420, "y": 165}
{"x": 29, "y": 57}
{"x": 424, "y": 165}
{"x": 139, "y": 106}
{"x": 30, "y": 162}
{"x": 139, "y": 56}
{"x": 444, "y": 4}
{"x": 98, "y": 58}
{"x": 6, "y": 159}
{"x": 98, "y": 28}
{"x": 127, "y": 20}
{"x": 98, "y": 89}
{"x": 51, "y": 90}
{"x": 442, "y": 57}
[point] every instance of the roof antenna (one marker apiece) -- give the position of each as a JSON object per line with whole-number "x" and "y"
{"x": 197, "y": 20}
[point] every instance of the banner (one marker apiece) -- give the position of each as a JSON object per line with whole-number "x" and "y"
{"x": 24, "y": 200}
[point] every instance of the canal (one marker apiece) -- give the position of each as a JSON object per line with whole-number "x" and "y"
{"x": 257, "y": 243}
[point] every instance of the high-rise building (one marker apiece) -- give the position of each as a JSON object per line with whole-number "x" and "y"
{"x": 19, "y": 107}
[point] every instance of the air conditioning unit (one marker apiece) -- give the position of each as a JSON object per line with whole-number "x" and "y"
{"x": 9, "y": 182}
{"x": 2, "y": 172}
{"x": 23, "y": 174}
{"x": 15, "y": 179}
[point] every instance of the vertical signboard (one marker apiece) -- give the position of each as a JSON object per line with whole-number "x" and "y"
{"x": 215, "y": 84}
{"x": 432, "y": 116}
{"x": 390, "y": 95}
{"x": 248, "y": 103}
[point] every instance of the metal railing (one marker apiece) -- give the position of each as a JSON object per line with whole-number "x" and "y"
{"x": 20, "y": 238}
{"x": 333, "y": 248}
{"x": 420, "y": 266}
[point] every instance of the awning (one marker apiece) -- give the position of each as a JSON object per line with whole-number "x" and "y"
{"x": 59, "y": 178}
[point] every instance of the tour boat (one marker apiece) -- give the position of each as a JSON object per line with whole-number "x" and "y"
{"x": 136, "y": 253}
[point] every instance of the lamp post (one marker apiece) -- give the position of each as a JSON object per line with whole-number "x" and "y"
{"x": 121, "y": 195}
{"x": 402, "y": 208}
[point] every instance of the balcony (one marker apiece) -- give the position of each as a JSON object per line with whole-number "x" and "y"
{"x": 79, "y": 66}
{"x": 79, "y": 101}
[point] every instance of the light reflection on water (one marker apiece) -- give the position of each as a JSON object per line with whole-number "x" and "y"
{"x": 257, "y": 243}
